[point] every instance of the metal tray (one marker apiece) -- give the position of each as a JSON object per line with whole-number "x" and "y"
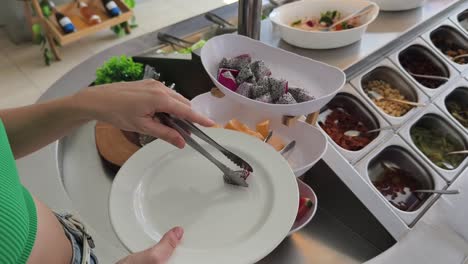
{"x": 462, "y": 12}
{"x": 350, "y": 99}
{"x": 449, "y": 31}
{"x": 422, "y": 47}
{"x": 462, "y": 91}
{"x": 438, "y": 118}
{"x": 387, "y": 71}
{"x": 397, "y": 151}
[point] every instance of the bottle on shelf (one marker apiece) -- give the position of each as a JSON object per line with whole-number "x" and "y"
{"x": 111, "y": 7}
{"x": 88, "y": 13}
{"x": 64, "y": 22}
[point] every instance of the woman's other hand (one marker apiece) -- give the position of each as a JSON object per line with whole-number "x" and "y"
{"x": 131, "y": 106}
{"x": 159, "y": 253}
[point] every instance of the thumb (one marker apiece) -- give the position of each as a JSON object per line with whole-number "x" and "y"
{"x": 166, "y": 246}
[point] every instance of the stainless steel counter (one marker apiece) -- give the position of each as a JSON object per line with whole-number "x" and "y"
{"x": 69, "y": 176}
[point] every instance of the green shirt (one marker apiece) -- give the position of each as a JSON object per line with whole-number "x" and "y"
{"x": 18, "y": 219}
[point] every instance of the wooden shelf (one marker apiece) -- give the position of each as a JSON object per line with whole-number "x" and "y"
{"x": 83, "y": 29}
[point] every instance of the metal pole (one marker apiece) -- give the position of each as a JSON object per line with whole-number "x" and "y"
{"x": 250, "y": 17}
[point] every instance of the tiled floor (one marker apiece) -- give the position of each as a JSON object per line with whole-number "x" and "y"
{"x": 24, "y": 77}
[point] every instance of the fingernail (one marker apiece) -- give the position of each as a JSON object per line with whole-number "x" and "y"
{"x": 180, "y": 143}
{"x": 179, "y": 232}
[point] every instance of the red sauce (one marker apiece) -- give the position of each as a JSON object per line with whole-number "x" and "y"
{"x": 338, "y": 122}
{"x": 396, "y": 185}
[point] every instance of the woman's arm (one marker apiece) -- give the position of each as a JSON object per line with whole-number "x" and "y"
{"x": 29, "y": 128}
{"x": 129, "y": 106}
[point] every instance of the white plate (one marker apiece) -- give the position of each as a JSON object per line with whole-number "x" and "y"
{"x": 319, "y": 79}
{"x": 284, "y": 15}
{"x": 311, "y": 142}
{"x": 160, "y": 187}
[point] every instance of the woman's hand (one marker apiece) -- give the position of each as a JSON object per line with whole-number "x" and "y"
{"x": 127, "y": 105}
{"x": 131, "y": 106}
{"x": 158, "y": 254}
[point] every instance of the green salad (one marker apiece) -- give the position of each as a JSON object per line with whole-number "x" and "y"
{"x": 435, "y": 145}
{"x": 459, "y": 112}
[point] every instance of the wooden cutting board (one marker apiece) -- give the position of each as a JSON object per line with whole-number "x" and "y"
{"x": 114, "y": 145}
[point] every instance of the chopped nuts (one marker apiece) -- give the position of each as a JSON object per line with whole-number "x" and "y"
{"x": 449, "y": 47}
{"x": 387, "y": 91}
{"x": 452, "y": 53}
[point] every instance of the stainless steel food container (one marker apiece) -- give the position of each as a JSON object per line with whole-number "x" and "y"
{"x": 387, "y": 71}
{"x": 461, "y": 12}
{"x": 438, "y": 119}
{"x": 397, "y": 151}
{"x": 351, "y": 98}
{"x": 452, "y": 32}
{"x": 422, "y": 46}
{"x": 458, "y": 89}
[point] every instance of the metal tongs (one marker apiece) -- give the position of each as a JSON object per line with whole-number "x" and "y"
{"x": 175, "y": 41}
{"x": 220, "y": 21}
{"x": 186, "y": 128}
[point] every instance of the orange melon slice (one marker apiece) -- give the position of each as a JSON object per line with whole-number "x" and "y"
{"x": 244, "y": 128}
{"x": 255, "y": 134}
{"x": 217, "y": 126}
{"x": 234, "y": 124}
{"x": 276, "y": 142}
{"x": 237, "y": 125}
{"x": 263, "y": 128}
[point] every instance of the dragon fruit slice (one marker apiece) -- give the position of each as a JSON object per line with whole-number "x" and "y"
{"x": 265, "y": 81}
{"x": 245, "y": 75}
{"x": 300, "y": 95}
{"x": 287, "y": 98}
{"x": 253, "y": 80}
{"x": 237, "y": 63}
{"x": 227, "y": 77}
{"x": 259, "y": 69}
{"x": 266, "y": 98}
{"x": 245, "y": 89}
{"x": 259, "y": 90}
{"x": 234, "y": 72}
{"x": 277, "y": 88}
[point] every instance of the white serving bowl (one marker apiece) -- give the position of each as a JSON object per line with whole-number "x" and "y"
{"x": 319, "y": 79}
{"x": 311, "y": 143}
{"x": 305, "y": 191}
{"x": 398, "y": 5}
{"x": 284, "y": 15}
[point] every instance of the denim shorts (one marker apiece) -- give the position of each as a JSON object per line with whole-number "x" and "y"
{"x": 82, "y": 243}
